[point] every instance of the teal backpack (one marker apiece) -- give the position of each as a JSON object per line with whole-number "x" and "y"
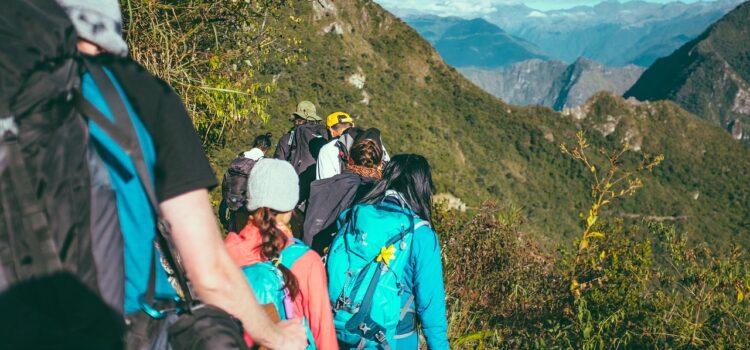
{"x": 268, "y": 283}
{"x": 365, "y": 263}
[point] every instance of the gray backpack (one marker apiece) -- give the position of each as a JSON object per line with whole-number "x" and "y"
{"x": 234, "y": 184}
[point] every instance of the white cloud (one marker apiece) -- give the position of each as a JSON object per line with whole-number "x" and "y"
{"x": 478, "y": 8}
{"x": 464, "y": 8}
{"x": 537, "y": 14}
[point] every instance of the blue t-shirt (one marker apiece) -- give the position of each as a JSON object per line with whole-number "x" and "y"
{"x": 137, "y": 218}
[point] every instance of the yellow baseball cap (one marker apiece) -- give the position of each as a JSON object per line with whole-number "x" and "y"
{"x": 338, "y": 118}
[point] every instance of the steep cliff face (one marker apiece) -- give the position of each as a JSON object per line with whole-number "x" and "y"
{"x": 553, "y": 83}
{"x": 526, "y": 83}
{"x": 709, "y": 76}
{"x": 584, "y": 78}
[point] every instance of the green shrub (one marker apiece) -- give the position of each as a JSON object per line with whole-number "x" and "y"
{"x": 621, "y": 286}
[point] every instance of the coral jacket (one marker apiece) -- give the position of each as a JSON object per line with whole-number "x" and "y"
{"x": 312, "y": 299}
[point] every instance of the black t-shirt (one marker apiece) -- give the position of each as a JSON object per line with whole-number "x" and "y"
{"x": 181, "y": 163}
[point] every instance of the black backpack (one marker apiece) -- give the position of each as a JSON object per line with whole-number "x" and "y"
{"x": 59, "y": 232}
{"x": 44, "y": 164}
{"x": 57, "y": 211}
{"x": 234, "y": 184}
{"x": 304, "y": 144}
{"x": 328, "y": 199}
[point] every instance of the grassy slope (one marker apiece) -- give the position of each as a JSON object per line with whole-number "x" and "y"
{"x": 482, "y": 148}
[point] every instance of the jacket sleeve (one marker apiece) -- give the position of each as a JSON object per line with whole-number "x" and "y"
{"x": 328, "y": 162}
{"x": 429, "y": 289}
{"x": 317, "y": 305}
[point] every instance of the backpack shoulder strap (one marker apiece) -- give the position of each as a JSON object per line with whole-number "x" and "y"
{"x": 293, "y": 252}
{"x": 341, "y": 144}
{"x": 290, "y": 143}
{"x": 421, "y": 223}
{"x": 123, "y": 132}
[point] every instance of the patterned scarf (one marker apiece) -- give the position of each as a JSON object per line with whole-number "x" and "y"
{"x": 375, "y": 173}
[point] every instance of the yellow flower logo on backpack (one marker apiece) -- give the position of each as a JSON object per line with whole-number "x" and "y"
{"x": 387, "y": 254}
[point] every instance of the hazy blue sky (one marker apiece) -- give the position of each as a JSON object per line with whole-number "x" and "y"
{"x": 474, "y": 7}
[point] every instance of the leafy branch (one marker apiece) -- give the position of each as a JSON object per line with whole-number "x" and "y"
{"x": 611, "y": 184}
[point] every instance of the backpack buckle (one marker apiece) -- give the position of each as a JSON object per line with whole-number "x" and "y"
{"x": 364, "y": 328}
{"x": 380, "y": 337}
{"x": 344, "y": 303}
{"x": 341, "y": 303}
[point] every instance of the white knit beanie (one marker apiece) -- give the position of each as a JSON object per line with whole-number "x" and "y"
{"x": 272, "y": 184}
{"x": 98, "y": 21}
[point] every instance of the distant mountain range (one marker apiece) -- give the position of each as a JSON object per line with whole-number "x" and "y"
{"x": 614, "y": 33}
{"x": 473, "y": 43}
{"x": 709, "y": 76}
{"x": 516, "y": 70}
{"x": 551, "y": 58}
{"x": 554, "y": 84}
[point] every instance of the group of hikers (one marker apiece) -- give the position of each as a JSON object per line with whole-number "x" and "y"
{"x": 108, "y": 239}
{"x": 368, "y": 215}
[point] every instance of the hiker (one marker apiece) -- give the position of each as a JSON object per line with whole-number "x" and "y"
{"x": 386, "y": 244}
{"x": 232, "y": 212}
{"x": 137, "y": 142}
{"x": 330, "y": 197}
{"x": 305, "y": 113}
{"x": 302, "y": 147}
{"x": 335, "y": 153}
{"x": 266, "y": 244}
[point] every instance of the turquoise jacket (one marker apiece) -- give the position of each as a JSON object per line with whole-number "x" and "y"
{"x": 423, "y": 281}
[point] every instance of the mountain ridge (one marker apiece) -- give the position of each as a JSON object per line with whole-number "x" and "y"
{"x": 645, "y": 31}
{"x": 474, "y": 42}
{"x": 709, "y": 76}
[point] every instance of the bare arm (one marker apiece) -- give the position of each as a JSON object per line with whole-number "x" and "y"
{"x": 214, "y": 275}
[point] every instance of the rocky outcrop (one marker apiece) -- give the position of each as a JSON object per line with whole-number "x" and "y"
{"x": 553, "y": 83}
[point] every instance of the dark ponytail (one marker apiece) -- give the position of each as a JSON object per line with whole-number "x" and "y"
{"x": 263, "y": 141}
{"x": 274, "y": 240}
{"x": 410, "y": 175}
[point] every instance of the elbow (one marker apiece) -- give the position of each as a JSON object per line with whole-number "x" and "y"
{"x": 208, "y": 283}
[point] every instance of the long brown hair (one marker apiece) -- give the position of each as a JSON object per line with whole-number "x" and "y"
{"x": 365, "y": 158}
{"x": 274, "y": 240}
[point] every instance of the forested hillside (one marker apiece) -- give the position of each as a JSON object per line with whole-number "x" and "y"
{"x": 354, "y": 56}
{"x": 552, "y": 261}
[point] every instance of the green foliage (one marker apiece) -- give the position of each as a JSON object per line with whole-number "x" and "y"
{"x": 242, "y": 66}
{"x": 628, "y": 286}
{"x": 212, "y": 53}
{"x": 494, "y": 276}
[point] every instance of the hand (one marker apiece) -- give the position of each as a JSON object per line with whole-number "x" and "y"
{"x": 293, "y": 335}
